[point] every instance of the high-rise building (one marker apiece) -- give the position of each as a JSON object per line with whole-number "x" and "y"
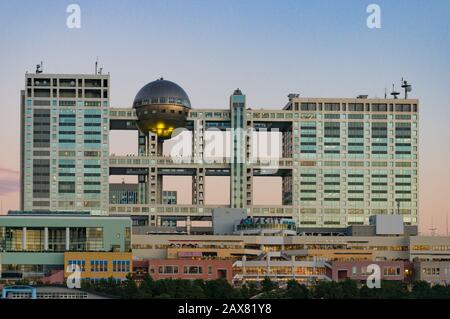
{"x": 65, "y": 142}
{"x": 343, "y": 159}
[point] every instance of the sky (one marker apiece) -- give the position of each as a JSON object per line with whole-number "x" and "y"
{"x": 266, "y": 48}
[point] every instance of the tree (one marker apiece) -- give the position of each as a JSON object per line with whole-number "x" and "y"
{"x": 296, "y": 291}
{"x": 328, "y": 290}
{"x": 440, "y": 292}
{"x": 391, "y": 289}
{"x": 268, "y": 285}
{"x": 349, "y": 289}
{"x": 252, "y": 289}
{"x": 219, "y": 289}
{"x": 273, "y": 294}
{"x": 421, "y": 290}
{"x": 146, "y": 287}
{"x": 130, "y": 289}
{"x": 369, "y": 293}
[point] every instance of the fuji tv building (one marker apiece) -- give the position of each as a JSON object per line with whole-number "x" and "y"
{"x": 342, "y": 160}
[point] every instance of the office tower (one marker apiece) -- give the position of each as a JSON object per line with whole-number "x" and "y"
{"x": 65, "y": 142}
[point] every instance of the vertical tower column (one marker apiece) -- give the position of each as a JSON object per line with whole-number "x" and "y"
{"x": 198, "y": 135}
{"x": 251, "y": 158}
{"x": 287, "y": 152}
{"x": 159, "y": 188}
{"x": 238, "y": 150}
{"x": 153, "y": 185}
{"x": 198, "y": 187}
{"x": 286, "y": 185}
{"x": 143, "y": 179}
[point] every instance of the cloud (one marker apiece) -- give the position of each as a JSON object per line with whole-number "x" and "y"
{"x": 9, "y": 181}
{"x": 9, "y": 186}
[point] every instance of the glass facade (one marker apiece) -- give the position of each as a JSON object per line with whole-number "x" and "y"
{"x": 65, "y": 157}
{"x": 33, "y": 239}
{"x": 353, "y": 160}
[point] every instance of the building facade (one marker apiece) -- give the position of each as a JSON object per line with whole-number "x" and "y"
{"x": 65, "y": 142}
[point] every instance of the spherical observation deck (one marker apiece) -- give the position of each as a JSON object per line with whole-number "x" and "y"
{"x": 161, "y": 107}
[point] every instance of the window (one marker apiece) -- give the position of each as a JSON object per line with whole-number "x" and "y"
{"x": 193, "y": 270}
{"x": 79, "y": 263}
{"x": 391, "y": 271}
{"x": 168, "y": 270}
{"x": 332, "y": 107}
{"x": 121, "y": 266}
{"x": 99, "y": 265}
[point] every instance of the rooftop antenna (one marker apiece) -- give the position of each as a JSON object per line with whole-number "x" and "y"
{"x": 96, "y": 65}
{"x": 394, "y": 93}
{"x": 39, "y": 68}
{"x": 385, "y": 93}
{"x": 407, "y": 87}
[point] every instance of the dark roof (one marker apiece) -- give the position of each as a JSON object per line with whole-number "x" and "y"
{"x": 161, "y": 89}
{"x": 46, "y": 213}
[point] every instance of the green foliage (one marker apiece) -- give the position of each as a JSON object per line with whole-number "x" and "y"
{"x": 221, "y": 289}
{"x": 328, "y": 290}
{"x": 295, "y": 290}
{"x": 349, "y": 289}
{"x": 421, "y": 290}
{"x": 268, "y": 285}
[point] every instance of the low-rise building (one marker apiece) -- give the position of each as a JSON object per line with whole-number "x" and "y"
{"x": 434, "y": 272}
{"x": 280, "y": 269}
{"x": 99, "y": 265}
{"x": 361, "y": 270}
{"x": 38, "y": 245}
{"x": 187, "y": 268}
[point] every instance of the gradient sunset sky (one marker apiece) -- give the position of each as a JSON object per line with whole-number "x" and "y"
{"x": 266, "y": 48}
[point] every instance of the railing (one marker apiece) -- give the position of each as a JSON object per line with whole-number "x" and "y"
{"x": 168, "y": 160}
{"x": 270, "y": 226}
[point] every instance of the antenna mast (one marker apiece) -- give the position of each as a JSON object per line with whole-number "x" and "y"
{"x": 394, "y": 93}
{"x": 407, "y": 87}
{"x": 39, "y": 68}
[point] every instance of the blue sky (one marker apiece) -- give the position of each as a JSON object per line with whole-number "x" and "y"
{"x": 266, "y": 48}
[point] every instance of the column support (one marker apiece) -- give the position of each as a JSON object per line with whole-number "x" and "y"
{"x": 24, "y": 238}
{"x": 67, "y": 238}
{"x": 46, "y": 238}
